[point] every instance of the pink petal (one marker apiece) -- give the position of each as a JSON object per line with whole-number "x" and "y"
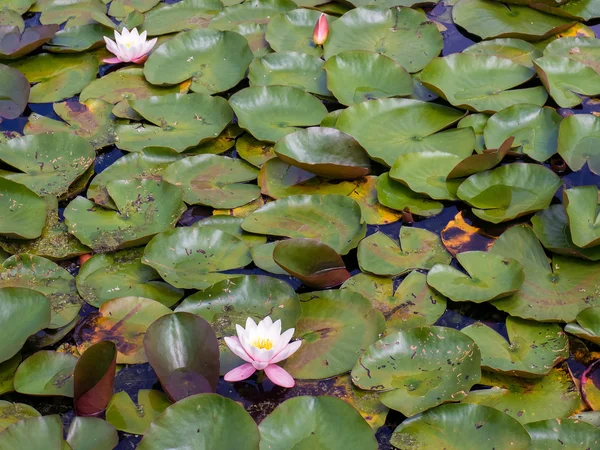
{"x": 240, "y": 373}
{"x": 141, "y": 59}
{"x": 288, "y": 351}
{"x": 112, "y": 60}
{"x": 235, "y": 346}
{"x": 279, "y": 376}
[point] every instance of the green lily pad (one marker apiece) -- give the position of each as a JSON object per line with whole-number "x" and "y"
{"x": 46, "y": 277}
{"x": 334, "y": 220}
{"x": 35, "y": 433}
{"x": 180, "y": 121}
{"x": 124, "y": 321}
{"x": 555, "y": 434}
{"x": 145, "y": 208}
{"x": 262, "y": 257}
{"x": 168, "y": 18}
{"x": 292, "y": 31}
{"x": 120, "y": 8}
{"x": 551, "y": 227}
{"x": 326, "y": 152}
{"x": 583, "y": 10}
{"x": 488, "y": 277}
{"x": 480, "y": 82}
{"x": 567, "y": 80}
{"x": 356, "y": 76}
{"x": 133, "y": 418}
{"x": 122, "y": 274}
{"x": 254, "y": 11}
{"x": 490, "y": 19}
{"x": 552, "y": 292}
{"x": 55, "y": 242}
{"x": 194, "y": 257}
{"x": 577, "y": 48}
{"x": 403, "y": 34}
{"x": 529, "y": 399}
{"x": 579, "y": 140}
{"x": 91, "y": 433}
{"x": 73, "y": 13}
{"x": 15, "y": 92}
{"x": 535, "y": 130}
{"x": 16, "y": 42}
{"x": 294, "y": 69}
{"x": 24, "y": 312}
{"x": 418, "y": 249}
{"x": 14, "y": 412}
{"x": 479, "y": 162}
{"x": 7, "y": 374}
{"x": 18, "y": 6}
{"x": 532, "y": 349}
{"x": 586, "y": 325}
{"x": 91, "y": 120}
{"x": 388, "y": 128}
{"x": 223, "y": 142}
{"x": 214, "y": 60}
{"x": 254, "y": 151}
{"x": 20, "y": 221}
{"x": 314, "y": 420}
{"x": 46, "y": 373}
{"x": 373, "y": 212}
{"x": 232, "y": 225}
{"x": 417, "y": 369}
{"x": 517, "y": 50}
{"x": 78, "y": 38}
{"x": 477, "y": 122}
{"x": 271, "y": 112}
{"x": 49, "y": 163}
{"x": 56, "y": 77}
{"x": 217, "y": 181}
{"x": 395, "y": 195}
{"x": 509, "y": 191}
{"x": 315, "y": 264}
{"x": 581, "y": 206}
{"x": 468, "y": 427}
{"x": 336, "y": 326}
{"x": 278, "y": 179}
{"x": 221, "y": 421}
{"x": 230, "y": 302}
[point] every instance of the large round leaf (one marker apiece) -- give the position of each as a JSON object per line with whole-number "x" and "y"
{"x": 358, "y": 75}
{"x": 373, "y": 212}
{"x": 532, "y": 349}
{"x": 293, "y": 31}
{"x": 397, "y": 196}
{"x": 581, "y": 206}
{"x": 403, "y": 34}
{"x": 586, "y": 325}
{"x": 91, "y": 433}
{"x": 36, "y": 433}
{"x": 529, "y": 399}
{"x": 14, "y": 412}
{"x": 214, "y": 60}
{"x": 551, "y": 292}
{"x": 509, "y": 191}
{"x": 535, "y": 130}
{"x": 23, "y": 312}
{"x": 388, "y": 128}
{"x": 217, "y": 181}
{"x": 334, "y": 220}
{"x": 232, "y": 225}
{"x": 231, "y": 302}
{"x": 76, "y": 39}
{"x": 180, "y": 121}
{"x": 202, "y": 422}
{"x": 319, "y": 422}
{"x": 417, "y": 369}
{"x": 516, "y": 50}
{"x": 49, "y": 163}
{"x": 194, "y": 257}
{"x": 488, "y": 19}
{"x": 18, "y": 220}
{"x": 14, "y": 92}
{"x": 271, "y": 112}
{"x": 481, "y": 82}
{"x": 579, "y": 141}
{"x": 122, "y": 274}
{"x": 326, "y": 152}
{"x": 461, "y": 427}
{"x": 488, "y": 277}
{"x": 133, "y": 418}
{"x": 336, "y": 326}
{"x": 145, "y": 208}
{"x": 251, "y": 12}
{"x": 168, "y": 18}
{"x": 555, "y": 434}
{"x": 123, "y": 321}
{"x": 46, "y": 277}
{"x": 46, "y": 373}
{"x": 418, "y": 249}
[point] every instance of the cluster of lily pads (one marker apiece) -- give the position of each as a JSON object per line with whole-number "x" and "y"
{"x": 263, "y": 152}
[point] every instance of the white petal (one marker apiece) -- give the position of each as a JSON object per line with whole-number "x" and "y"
{"x": 143, "y": 36}
{"x": 135, "y": 34}
{"x": 125, "y": 33}
{"x": 250, "y": 324}
{"x": 240, "y": 330}
{"x": 235, "y": 346}
{"x": 259, "y": 365}
{"x": 111, "y": 45}
{"x": 261, "y": 355}
{"x": 288, "y": 351}
{"x": 150, "y": 44}
{"x": 283, "y": 340}
{"x": 117, "y": 37}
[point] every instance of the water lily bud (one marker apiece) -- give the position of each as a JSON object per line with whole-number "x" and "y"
{"x": 84, "y": 258}
{"x": 321, "y": 30}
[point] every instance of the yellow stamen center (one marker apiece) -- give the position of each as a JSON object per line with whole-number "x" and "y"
{"x": 263, "y": 344}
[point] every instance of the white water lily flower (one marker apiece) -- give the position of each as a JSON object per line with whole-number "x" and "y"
{"x": 261, "y": 346}
{"x": 130, "y": 46}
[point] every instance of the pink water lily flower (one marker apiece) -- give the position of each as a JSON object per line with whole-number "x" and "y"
{"x": 262, "y": 346}
{"x": 321, "y": 30}
{"x": 130, "y": 46}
